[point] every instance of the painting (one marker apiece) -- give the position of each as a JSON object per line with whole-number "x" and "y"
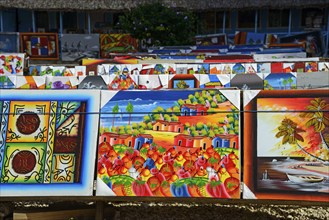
{"x": 313, "y": 42}
{"x": 30, "y": 82}
{"x": 214, "y": 81}
{"x": 183, "y": 81}
{"x": 75, "y": 47}
{"x": 62, "y": 82}
{"x": 280, "y": 81}
{"x": 123, "y": 82}
{"x": 316, "y": 80}
{"x": 93, "y": 82}
{"x": 263, "y": 67}
{"x": 153, "y": 82}
{"x": 255, "y": 38}
{"x": 48, "y": 142}
{"x": 249, "y": 38}
{"x": 34, "y": 70}
{"x": 117, "y": 43}
{"x": 11, "y": 63}
{"x": 311, "y": 66}
{"x": 7, "y": 82}
{"x": 175, "y": 143}
{"x": 247, "y": 81}
{"x": 211, "y": 39}
{"x": 40, "y": 46}
{"x": 323, "y": 66}
{"x": 286, "y": 145}
{"x": 9, "y": 42}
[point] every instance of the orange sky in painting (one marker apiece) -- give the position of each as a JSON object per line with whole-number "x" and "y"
{"x": 288, "y": 103}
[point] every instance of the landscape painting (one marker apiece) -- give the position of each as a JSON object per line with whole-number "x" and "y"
{"x": 177, "y": 143}
{"x": 286, "y": 154}
{"x": 48, "y": 142}
{"x": 75, "y": 47}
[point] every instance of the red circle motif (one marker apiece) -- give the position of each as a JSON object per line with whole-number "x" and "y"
{"x": 28, "y": 123}
{"x": 24, "y": 162}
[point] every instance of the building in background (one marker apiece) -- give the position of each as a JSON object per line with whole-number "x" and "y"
{"x": 283, "y": 17}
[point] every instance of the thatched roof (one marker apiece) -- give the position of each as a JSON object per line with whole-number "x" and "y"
{"x": 128, "y": 4}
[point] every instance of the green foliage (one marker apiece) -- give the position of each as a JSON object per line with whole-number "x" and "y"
{"x": 159, "y": 25}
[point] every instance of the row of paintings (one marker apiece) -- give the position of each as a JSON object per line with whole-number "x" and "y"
{"x": 67, "y": 47}
{"x": 270, "y": 81}
{"x": 175, "y": 143}
{"x": 180, "y": 68}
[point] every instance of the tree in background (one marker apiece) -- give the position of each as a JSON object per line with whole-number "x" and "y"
{"x": 159, "y": 25}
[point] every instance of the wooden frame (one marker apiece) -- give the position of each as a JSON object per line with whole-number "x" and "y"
{"x": 40, "y": 46}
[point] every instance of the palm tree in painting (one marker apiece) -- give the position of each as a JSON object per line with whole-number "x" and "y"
{"x": 289, "y": 131}
{"x": 115, "y": 110}
{"x": 317, "y": 118}
{"x": 129, "y": 109}
{"x": 290, "y": 81}
{"x": 284, "y": 83}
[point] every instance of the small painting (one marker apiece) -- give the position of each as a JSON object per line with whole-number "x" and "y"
{"x": 40, "y": 46}
{"x": 183, "y": 81}
{"x": 11, "y": 63}
{"x": 117, "y": 43}
{"x": 7, "y": 82}
{"x": 280, "y": 81}
{"x": 9, "y": 42}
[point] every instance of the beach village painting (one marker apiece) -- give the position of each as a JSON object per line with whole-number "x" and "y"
{"x": 288, "y": 158}
{"x": 182, "y": 143}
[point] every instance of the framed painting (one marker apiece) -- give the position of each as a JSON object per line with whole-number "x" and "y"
{"x": 75, "y": 47}
{"x": 286, "y": 145}
{"x": 9, "y": 42}
{"x": 117, "y": 43}
{"x": 183, "y": 81}
{"x": 48, "y": 142}
{"x": 40, "y": 46}
{"x": 169, "y": 144}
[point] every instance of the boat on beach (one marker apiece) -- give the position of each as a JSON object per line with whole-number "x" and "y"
{"x": 302, "y": 178}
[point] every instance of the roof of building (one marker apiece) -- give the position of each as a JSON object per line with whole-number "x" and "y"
{"x": 117, "y": 5}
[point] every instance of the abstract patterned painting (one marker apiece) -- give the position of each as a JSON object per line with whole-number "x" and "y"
{"x": 178, "y": 143}
{"x": 286, "y": 144}
{"x": 117, "y": 43}
{"x": 47, "y": 142}
{"x": 42, "y": 46}
{"x": 11, "y": 63}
